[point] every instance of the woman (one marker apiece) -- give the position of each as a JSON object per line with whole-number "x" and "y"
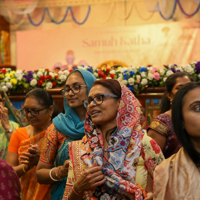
{"x": 53, "y": 164}
{"x": 26, "y": 143}
{"x": 161, "y": 129}
{"x": 115, "y": 159}
{"x": 6, "y": 126}
{"x": 178, "y": 176}
{"x": 10, "y": 186}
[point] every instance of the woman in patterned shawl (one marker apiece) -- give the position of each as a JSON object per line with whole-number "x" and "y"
{"x": 115, "y": 159}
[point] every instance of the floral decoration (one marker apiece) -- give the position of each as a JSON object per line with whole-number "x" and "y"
{"x": 135, "y": 78}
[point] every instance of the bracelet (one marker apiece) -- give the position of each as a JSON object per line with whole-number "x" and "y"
{"x": 57, "y": 170}
{"x": 51, "y": 175}
{"x": 24, "y": 169}
{"x": 76, "y": 192}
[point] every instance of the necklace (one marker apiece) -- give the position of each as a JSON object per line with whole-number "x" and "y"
{"x": 105, "y": 150}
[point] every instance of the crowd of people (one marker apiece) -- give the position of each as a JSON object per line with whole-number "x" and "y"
{"x": 97, "y": 148}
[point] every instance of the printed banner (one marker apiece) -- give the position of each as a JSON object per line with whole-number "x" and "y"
{"x": 156, "y": 44}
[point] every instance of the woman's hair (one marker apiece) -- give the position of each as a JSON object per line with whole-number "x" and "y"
{"x": 43, "y": 97}
{"x": 169, "y": 84}
{"x": 111, "y": 84}
{"x": 114, "y": 87}
{"x": 177, "y": 120}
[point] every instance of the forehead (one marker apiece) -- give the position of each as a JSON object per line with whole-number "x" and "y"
{"x": 192, "y": 96}
{"x": 182, "y": 80}
{"x": 75, "y": 78}
{"x": 98, "y": 89}
{"x": 31, "y": 101}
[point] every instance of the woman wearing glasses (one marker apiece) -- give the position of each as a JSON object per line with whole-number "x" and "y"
{"x": 26, "y": 143}
{"x": 53, "y": 164}
{"x": 115, "y": 160}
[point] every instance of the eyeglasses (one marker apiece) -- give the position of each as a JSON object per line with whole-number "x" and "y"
{"x": 34, "y": 112}
{"x": 2, "y": 100}
{"x": 75, "y": 89}
{"x": 98, "y": 100}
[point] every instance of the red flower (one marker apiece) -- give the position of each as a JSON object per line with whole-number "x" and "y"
{"x": 48, "y": 77}
{"x": 47, "y": 70}
{"x": 107, "y": 71}
{"x": 53, "y": 83}
{"x": 3, "y": 71}
{"x": 100, "y": 73}
{"x": 104, "y": 76}
{"x": 40, "y": 82}
{"x": 112, "y": 76}
{"x": 155, "y": 146}
{"x": 56, "y": 76}
{"x": 42, "y": 78}
{"x": 70, "y": 70}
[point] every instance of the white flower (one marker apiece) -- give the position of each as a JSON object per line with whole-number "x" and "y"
{"x": 120, "y": 78}
{"x": 138, "y": 77}
{"x": 179, "y": 68}
{"x": 49, "y": 85}
{"x": 80, "y": 67}
{"x": 33, "y": 82}
{"x": 5, "y": 88}
{"x": 9, "y": 85}
{"x": 19, "y": 71}
{"x": 63, "y": 78}
{"x": 198, "y": 75}
{"x": 95, "y": 74}
{"x": 60, "y": 73}
{"x": 45, "y": 73}
{"x": 144, "y": 81}
{"x": 112, "y": 72}
{"x": 39, "y": 74}
{"x": 169, "y": 72}
{"x": 123, "y": 69}
{"x": 150, "y": 76}
{"x": 34, "y": 75}
{"x": 189, "y": 69}
{"x": 19, "y": 77}
{"x": 42, "y": 70}
{"x": 171, "y": 65}
{"x": 164, "y": 79}
{"x": 52, "y": 74}
{"x": 120, "y": 75}
{"x": 125, "y": 82}
{"x": 162, "y": 72}
{"x": 131, "y": 81}
{"x": 108, "y": 77}
{"x": 132, "y": 69}
{"x": 3, "y": 83}
{"x": 6, "y": 78}
{"x": 66, "y": 72}
{"x": 143, "y": 74}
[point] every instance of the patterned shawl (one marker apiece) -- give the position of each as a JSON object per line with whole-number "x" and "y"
{"x": 124, "y": 147}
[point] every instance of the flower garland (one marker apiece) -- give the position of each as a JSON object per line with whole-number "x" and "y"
{"x": 135, "y": 78}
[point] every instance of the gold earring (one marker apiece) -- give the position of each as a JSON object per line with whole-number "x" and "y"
{"x": 50, "y": 118}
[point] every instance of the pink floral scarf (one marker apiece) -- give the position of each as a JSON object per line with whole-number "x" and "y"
{"x": 124, "y": 147}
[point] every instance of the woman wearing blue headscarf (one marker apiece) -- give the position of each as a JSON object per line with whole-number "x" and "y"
{"x": 53, "y": 164}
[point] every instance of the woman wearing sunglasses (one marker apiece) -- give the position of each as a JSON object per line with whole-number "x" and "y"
{"x": 26, "y": 143}
{"x": 54, "y": 159}
{"x": 115, "y": 159}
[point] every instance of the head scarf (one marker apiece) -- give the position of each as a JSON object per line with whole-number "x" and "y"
{"x": 124, "y": 147}
{"x": 69, "y": 123}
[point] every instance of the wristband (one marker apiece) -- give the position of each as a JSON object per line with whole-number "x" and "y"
{"x": 57, "y": 170}
{"x": 24, "y": 169}
{"x": 76, "y": 192}
{"x": 53, "y": 179}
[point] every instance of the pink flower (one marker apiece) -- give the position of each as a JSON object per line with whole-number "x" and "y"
{"x": 156, "y": 75}
{"x": 138, "y": 80}
{"x": 153, "y": 69}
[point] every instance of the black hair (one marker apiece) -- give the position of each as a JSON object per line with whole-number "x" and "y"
{"x": 43, "y": 97}
{"x": 177, "y": 120}
{"x": 169, "y": 84}
{"x": 2, "y": 93}
{"x": 114, "y": 87}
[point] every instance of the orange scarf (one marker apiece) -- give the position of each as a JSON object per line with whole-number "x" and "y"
{"x": 31, "y": 189}
{"x": 177, "y": 178}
